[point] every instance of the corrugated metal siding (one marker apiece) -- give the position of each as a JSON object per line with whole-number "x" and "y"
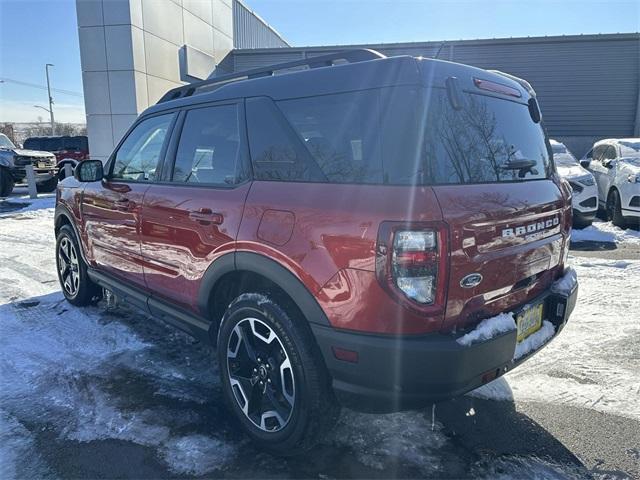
{"x": 588, "y": 86}
{"x": 250, "y": 31}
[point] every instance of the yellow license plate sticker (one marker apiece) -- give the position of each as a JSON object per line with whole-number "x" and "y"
{"x": 529, "y": 321}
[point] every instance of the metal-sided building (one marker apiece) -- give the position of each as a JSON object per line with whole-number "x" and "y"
{"x": 133, "y": 51}
{"x": 588, "y": 85}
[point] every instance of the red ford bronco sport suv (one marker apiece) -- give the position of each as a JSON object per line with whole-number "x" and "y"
{"x": 338, "y": 232}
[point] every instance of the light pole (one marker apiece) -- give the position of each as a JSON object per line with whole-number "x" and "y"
{"x": 46, "y": 68}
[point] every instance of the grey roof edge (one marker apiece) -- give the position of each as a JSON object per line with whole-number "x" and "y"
{"x": 435, "y": 43}
{"x": 263, "y": 21}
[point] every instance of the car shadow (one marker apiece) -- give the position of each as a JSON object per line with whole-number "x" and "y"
{"x": 592, "y": 246}
{"x": 153, "y": 400}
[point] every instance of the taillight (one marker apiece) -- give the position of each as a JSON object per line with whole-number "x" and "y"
{"x": 411, "y": 263}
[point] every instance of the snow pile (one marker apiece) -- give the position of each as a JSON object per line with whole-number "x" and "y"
{"x": 535, "y": 340}
{"x": 565, "y": 284}
{"x": 488, "y": 329}
{"x": 497, "y": 390}
{"x": 605, "y": 232}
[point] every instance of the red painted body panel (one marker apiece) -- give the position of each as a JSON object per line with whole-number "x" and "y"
{"x": 73, "y": 154}
{"x": 477, "y": 215}
{"x": 332, "y": 247}
{"x": 184, "y": 229}
{"x": 325, "y": 234}
{"x": 111, "y": 217}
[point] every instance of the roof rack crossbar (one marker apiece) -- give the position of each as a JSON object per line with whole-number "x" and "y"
{"x": 350, "y": 56}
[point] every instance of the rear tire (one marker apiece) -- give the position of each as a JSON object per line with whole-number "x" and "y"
{"x": 6, "y": 182}
{"x": 614, "y": 209}
{"x": 273, "y": 377}
{"x": 47, "y": 186}
{"x": 74, "y": 280}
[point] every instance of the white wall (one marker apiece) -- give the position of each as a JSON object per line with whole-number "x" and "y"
{"x": 133, "y": 51}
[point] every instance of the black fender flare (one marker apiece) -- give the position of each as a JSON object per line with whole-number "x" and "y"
{"x": 62, "y": 211}
{"x": 270, "y": 269}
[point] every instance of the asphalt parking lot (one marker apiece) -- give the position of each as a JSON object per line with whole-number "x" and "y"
{"x": 111, "y": 393}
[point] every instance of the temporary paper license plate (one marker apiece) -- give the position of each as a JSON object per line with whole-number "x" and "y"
{"x": 42, "y": 165}
{"x": 529, "y": 321}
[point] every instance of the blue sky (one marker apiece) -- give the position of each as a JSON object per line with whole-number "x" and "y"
{"x": 33, "y": 33}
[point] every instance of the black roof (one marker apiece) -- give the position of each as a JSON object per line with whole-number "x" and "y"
{"x": 340, "y": 72}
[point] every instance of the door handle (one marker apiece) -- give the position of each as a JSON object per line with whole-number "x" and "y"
{"x": 123, "y": 204}
{"x": 206, "y": 216}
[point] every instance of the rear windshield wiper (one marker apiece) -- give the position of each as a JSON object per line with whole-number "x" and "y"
{"x": 523, "y": 166}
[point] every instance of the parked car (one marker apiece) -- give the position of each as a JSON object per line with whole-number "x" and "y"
{"x": 585, "y": 191}
{"x": 342, "y": 234}
{"x": 74, "y": 147}
{"x": 13, "y": 161}
{"x": 615, "y": 164}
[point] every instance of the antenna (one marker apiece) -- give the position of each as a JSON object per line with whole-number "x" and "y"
{"x": 440, "y": 49}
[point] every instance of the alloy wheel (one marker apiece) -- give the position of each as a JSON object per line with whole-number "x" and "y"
{"x": 260, "y": 375}
{"x": 68, "y": 266}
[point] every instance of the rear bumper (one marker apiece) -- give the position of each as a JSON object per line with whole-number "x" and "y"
{"x": 400, "y": 373}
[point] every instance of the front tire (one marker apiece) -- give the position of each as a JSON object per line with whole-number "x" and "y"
{"x": 76, "y": 285}
{"x": 47, "y": 186}
{"x": 614, "y": 209}
{"x": 273, "y": 378}
{"x": 6, "y": 182}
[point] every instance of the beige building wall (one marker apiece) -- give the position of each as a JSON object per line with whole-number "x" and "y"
{"x": 133, "y": 51}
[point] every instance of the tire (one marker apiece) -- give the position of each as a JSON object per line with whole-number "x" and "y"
{"x": 47, "y": 186}
{"x": 6, "y": 182}
{"x": 614, "y": 209}
{"x": 284, "y": 374}
{"x": 75, "y": 283}
{"x": 580, "y": 224}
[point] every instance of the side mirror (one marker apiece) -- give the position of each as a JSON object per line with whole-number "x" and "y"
{"x": 585, "y": 162}
{"x": 608, "y": 163}
{"x": 89, "y": 171}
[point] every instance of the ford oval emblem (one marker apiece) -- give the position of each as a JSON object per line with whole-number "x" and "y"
{"x": 471, "y": 280}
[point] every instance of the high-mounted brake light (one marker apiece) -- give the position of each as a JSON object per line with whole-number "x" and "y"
{"x": 411, "y": 263}
{"x": 497, "y": 88}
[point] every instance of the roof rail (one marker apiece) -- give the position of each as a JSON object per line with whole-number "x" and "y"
{"x": 350, "y": 56}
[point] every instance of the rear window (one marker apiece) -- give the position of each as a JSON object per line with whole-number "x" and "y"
{"x": 395, "y": 136}
{"x": 488, "y": 140}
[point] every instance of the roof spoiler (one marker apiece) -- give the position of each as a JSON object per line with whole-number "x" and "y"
{"x": 348, "y": 56}
{"x": 526, "y": 85}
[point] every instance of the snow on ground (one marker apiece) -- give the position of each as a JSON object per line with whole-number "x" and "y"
{"x": 92, "y": 374}
{"x": 605, "y": 232}
{"x": 594, "y": 362}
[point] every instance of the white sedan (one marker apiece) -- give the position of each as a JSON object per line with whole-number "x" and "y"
{"x": 585, "y": 192}
{"x": 615, "y": 164}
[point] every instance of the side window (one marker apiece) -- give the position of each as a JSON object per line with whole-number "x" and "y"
{"x": 276, "y": 152}
{"x": 610, "y": 153}
{"x": 138, "y": 156}
{"x": 209, "y": 148}
{"x": 342, "y": 133}
{"x": 598, "y": 152}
